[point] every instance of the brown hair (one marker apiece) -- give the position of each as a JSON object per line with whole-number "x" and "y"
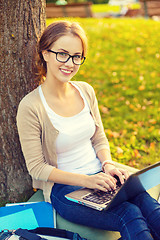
{"x": 50, "y": 35}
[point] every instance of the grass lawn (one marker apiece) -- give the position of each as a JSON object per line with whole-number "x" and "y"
{"x": 123, "y": 66}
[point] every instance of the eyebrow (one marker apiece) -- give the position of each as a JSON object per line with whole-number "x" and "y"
{"x": 68, "y": 52}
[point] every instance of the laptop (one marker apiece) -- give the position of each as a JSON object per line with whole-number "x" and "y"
{"x": 137, "y": 183}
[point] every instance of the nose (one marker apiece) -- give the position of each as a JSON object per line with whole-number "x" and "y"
{"x": 69, "y": 62}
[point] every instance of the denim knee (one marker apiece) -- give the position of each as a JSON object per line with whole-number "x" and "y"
{"x": 132, "y": 224}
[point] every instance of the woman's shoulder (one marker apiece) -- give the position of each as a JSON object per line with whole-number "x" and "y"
{"x": 84, "y": 86}
{"x": 31, "y": 102}
{"x": 31, "y": 98}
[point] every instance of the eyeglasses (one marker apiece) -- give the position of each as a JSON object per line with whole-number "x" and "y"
{"x": 64, "y": 57}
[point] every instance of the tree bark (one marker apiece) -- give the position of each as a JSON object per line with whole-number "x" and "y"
{"x": 21, "y": 24}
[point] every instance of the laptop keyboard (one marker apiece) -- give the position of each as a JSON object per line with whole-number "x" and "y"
{"x": 101, "y": 197}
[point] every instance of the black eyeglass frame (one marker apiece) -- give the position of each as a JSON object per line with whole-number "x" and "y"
{"x": 70, "y": 56}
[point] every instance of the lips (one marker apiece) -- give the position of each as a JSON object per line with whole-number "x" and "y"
{"x": 66, "y": 71}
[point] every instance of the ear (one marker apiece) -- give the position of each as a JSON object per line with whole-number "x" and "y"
{"x": 45, "y": 55}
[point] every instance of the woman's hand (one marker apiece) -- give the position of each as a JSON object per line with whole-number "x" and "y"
{"x": 112, "y": 171}
{"x": 101, "y": 181}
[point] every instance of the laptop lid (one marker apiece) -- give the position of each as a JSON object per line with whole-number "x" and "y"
{"x": 137, "y": 183}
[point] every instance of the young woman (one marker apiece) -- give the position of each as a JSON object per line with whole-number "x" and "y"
{"x": 64, "y": 143}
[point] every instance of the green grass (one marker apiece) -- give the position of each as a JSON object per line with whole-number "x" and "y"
{"x": 123, "y": 67}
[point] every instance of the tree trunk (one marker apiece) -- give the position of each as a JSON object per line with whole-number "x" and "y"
{"x": 21, "y": 24}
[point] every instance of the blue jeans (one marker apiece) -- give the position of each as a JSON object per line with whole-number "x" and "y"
{"x": 136, "y": 219}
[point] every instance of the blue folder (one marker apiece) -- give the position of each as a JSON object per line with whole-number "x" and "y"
{"x": 23, "y": 219}
{"x": 43, "y": 212}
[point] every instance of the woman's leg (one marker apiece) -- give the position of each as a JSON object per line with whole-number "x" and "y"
{"x": 150, "y": 209}
{"x": 126, "y": 218}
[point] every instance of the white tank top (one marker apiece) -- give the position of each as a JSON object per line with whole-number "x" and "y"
{"x": 73, "y": 144}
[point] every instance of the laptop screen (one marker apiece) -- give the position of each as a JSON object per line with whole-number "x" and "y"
{"x": 150, "y": 178}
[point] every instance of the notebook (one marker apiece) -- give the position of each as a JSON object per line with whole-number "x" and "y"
{"x": 137, "y": 183}
{"x": 23, "y": 219}
{"x": 42, "y": 211}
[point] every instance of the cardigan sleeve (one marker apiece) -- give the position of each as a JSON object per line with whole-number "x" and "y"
{"x": 29, "y": 130}
{"x": 99, "y": 139}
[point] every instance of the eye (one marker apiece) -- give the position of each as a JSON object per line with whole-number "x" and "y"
{"x": 63, "y": 54}
{"x": 77, "y": 56}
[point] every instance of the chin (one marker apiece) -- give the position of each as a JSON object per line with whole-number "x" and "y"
{"x": 65, "y": 80}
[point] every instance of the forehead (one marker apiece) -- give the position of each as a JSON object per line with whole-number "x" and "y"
{"x": 69, "y": 43}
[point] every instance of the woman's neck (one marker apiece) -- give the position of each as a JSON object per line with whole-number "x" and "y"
{"x": 58, "y": 89}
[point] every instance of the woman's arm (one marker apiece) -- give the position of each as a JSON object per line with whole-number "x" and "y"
{"x": 101, "y": 144}
{"x": 100, "y": 181}
{"x": 29, "y": 130}
{"x": 103, "y": 155}
{"x": 109, "y": 168}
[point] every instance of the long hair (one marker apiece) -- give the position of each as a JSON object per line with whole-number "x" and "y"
{"x": 50, "y": 35}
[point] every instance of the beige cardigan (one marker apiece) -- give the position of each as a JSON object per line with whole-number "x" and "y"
{"x": 38, "y": 136}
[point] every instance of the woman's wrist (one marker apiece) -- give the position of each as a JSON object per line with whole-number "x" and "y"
{"x": 106, "y": 162}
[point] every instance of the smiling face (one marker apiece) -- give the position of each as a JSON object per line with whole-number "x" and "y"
{"x": 59, "y": 71}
